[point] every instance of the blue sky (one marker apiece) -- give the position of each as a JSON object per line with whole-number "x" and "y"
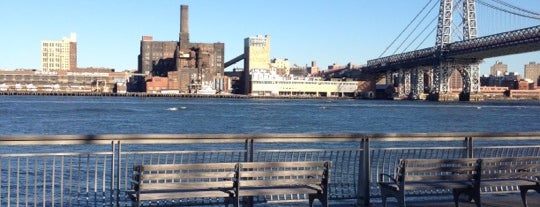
{"x": 109, "y": 31}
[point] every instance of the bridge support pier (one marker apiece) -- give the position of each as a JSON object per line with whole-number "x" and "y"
{"x": 407, "y": 85}
{"x": 417, "y": 84}
{"x": 401, "y": 84}
{"x": 441, "y": 83}
{"x": 470, "y": 74}
{"x": 389, "y": 77}
{"x": 404, "y": 85}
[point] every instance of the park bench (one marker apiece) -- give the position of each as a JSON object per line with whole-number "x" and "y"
{"x": 523, "y": 172}
{"x": 459, "y": 175}
{"x": 280, "y": 178}
{"x": 230, "y": 181}
{"x": 180, "y": 181}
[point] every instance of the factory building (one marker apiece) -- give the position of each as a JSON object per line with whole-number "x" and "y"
{"x": 198, "y": 66}
{"x": 156, "y": 57}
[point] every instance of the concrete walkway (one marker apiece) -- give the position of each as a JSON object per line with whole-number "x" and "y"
{"x": 492, "y": 200}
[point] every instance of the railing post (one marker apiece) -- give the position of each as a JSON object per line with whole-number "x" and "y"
{"x": 471, "y": 147}
{"x": 113, "y": 157}
{"x": 248, "y": 150}
{"x": 363, "y": 187}
{"x": 248, "y": 201}
{"x": 468, "y": 144}
{"x": 119, "y": 157}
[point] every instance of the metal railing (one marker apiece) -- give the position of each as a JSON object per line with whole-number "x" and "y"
{"x": 95, "y": 170}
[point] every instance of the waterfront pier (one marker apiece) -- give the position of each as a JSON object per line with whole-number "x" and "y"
{"x": 56, "y": 170}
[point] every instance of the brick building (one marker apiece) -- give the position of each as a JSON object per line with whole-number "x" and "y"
{"x": 197, "y": 65}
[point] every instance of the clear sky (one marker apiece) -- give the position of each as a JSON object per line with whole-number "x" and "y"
{"x": 329, "y": 31}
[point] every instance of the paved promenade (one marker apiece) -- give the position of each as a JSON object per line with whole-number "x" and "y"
{"x": 493, "y": 200}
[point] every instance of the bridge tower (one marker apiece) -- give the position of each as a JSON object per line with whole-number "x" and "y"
{"x": 468, "y": 68}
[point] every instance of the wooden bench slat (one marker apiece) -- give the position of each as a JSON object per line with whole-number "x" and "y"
{"x": 281, "y": 164}
{"x": 510, "y": 159}
{"x": 284, "y": 182}
{"x": 509, "y": 174}
{"x": 287, "y": 173}
{"x": 190, "y": 185}
{"x": 173, "y": 167}
{"x": 459, "y": 161}
{"x": 438, "y": 178}
{"x": 454, "y": 169}
{"x": 436, "y": 185}
{"x": 186, "y": 194}
{"x": 187, "y": 175}
{"x": 420, "y": 185}
{"x": 506, "y": 182}
{"x": 248, "y": 191}
{"x": 529, "y": 167}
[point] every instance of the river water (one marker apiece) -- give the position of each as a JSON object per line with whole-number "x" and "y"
{"x": 55, "y": 115}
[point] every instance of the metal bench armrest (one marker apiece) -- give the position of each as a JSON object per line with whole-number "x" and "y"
{"x": 382, "y": 175}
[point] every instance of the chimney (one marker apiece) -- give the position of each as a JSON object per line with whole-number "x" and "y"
{"x": 184, "y": 26}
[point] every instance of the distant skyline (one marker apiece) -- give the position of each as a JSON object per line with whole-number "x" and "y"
{"x": 109, "y": 32}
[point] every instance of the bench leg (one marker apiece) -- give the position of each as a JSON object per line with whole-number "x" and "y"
{"x": 523, "y": 191}
{"x": 236, "y": 201}
{"x": 456, "y": 193}
{"x": 383, "y": 198}
{"x": 473, "y": 193}
{"x": 311, "y": 199}
{"x": 229, "y": 200}
{"x": 399, "y": 195}
{"x": 401, "y": 201}
{"x": 320, "y": 197}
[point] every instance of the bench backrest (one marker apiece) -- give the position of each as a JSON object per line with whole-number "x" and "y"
{"x": 267, "y": 174}
{"x": 514, "y": 167}
{"x": 183, "y": 176}
{"x": 413, "y": 170}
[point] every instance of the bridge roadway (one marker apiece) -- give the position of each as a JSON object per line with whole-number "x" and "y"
{"x": 468, "y": 51}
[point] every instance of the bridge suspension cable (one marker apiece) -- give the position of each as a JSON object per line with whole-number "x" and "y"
{"x": 407, "y": 27}
{"x": 415, "y": 29}
{"x": 531, "y": 15}
{"x": 517, "y": 8}
{"x": 422, "y": 32}
{"x": 426, "y": 37}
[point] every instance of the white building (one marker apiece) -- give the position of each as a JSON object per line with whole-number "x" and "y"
{"x": 271, "y": 84}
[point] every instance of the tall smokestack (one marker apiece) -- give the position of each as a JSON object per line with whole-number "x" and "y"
{"x": 184, "y": 26}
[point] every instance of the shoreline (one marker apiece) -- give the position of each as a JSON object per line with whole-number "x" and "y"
{"x": 231, "y": 96}
{"x": 142, "y": 94}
